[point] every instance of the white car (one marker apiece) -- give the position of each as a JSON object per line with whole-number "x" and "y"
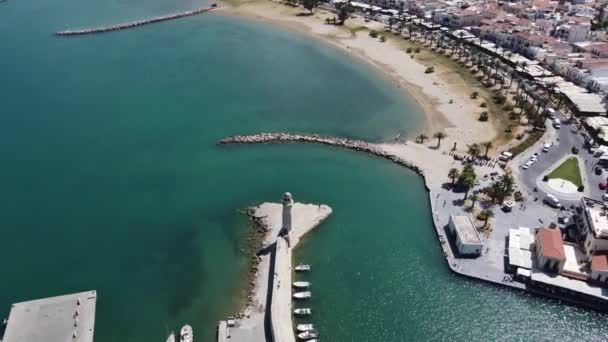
{"x": 535, "y": 155}
{"x": 546, "y": 147}
{"x": 532, "y": 161}
{"x": 605, "y": 197}
{"x": 526, "y": 165}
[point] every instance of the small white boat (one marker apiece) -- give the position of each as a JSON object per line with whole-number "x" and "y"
{"x": 171, "y": 337}
{"x": 307, "y": 335}
{"x": 302, "y": 268}
{"x": 301, "y": 284}
{"x": 302, "y": 295}
{"x": 305, "y": 327}
{"x": 302, "y": 311}
{"x": 186, "y": 334}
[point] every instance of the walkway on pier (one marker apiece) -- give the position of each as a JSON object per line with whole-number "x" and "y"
{"x": 137, "y": 23}
{"x": 275, "y": 270}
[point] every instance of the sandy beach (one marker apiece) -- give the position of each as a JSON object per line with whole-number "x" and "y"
{"x": 431, "y": 92}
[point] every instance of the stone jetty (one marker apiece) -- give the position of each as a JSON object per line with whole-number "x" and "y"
{"x": 137, "y": 23}
{"x": 351, "y": 144}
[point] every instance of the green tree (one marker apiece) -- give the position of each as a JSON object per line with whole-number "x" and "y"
{"x": 488, "y": 145}
{"x": 310, "y": 5}
{"x": 473, "y": 199}
{"x": 422, "y": 137}
{"x": 473, "y": 150}
{"x": 486, "y": 214}
{"x": 439, "y": 136}
{"x": 343, "y": 9}
{"x": 474, "y": 95}
{"x": 466, "y": 179}
{"x": 453, "y": 174}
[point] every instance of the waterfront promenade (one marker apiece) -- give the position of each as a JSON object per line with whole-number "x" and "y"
{"x": 432, "y": 164}
{"x": 136, "y": 23}
{"x": 268, "y": 317}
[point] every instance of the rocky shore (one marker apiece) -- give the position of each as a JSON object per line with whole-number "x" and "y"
{"x": 255, "y": 243}
{"x": 351, "y": 144}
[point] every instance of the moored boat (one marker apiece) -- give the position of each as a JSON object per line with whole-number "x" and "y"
{"x": 302, "y": 295}
{"x": 305, "y": 327}
{"x": 302, "y": 268}
{"x": 171, "y": 337}
{"x": 309, "y": 334}
{"x": 302, "y": 311}
{"x": 301, "y": 284}
{"x": 186, "y": 334}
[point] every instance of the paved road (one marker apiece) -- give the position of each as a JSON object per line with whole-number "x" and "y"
{"x": 563, "y": 140}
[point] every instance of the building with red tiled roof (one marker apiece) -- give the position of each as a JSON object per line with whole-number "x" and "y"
{"x": 599, "y": 267}
{"x": 550, "y": 253}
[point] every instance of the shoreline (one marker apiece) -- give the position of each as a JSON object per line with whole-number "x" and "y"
{"x": 400, "y": 154}
{"x": 442, "y": 98}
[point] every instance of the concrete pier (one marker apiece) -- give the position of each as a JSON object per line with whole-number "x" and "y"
{"x": 269, "y": 317}
{"x": 63, "y": 318}
{"x": 133, "y": 24}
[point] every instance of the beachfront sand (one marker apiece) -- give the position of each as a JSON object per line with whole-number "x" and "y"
{"x": 432, "y": 92}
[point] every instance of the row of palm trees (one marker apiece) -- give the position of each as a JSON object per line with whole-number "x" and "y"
{"x": 438, "y": 135}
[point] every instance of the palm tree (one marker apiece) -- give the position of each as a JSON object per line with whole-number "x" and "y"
{"x": 506, "y": 183}
{"x": 422, "y": 137}
{"x": 473, "y": 150}
{"x": 453, "y": 174}
{"x": 473, "y": 199}
{"x": 439, "y": 136}
{"x": 488, "y": 145}
{"x": 468, "y": 183}
{"x": 486, "y": 214}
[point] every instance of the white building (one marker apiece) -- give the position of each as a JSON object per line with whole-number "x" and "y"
{"x": 593, "y": 225}
{"x": 467, "y": 239}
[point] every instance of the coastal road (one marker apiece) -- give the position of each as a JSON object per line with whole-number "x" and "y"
{"x": 563, "y": 140}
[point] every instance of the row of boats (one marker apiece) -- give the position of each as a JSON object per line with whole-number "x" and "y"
{"x": 306, "y": 332}
{"x": 185, "y": 335}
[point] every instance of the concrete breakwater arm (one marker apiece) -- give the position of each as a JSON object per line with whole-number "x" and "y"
{"x": 137, "y": 23}
{"x": 351, "y": 144}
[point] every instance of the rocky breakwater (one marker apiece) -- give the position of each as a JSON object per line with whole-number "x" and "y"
{"x": 351, "y": 144}
{"x": 137, "y": 23}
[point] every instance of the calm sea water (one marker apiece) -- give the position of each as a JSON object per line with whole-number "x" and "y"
{"x": 111, "y": 180}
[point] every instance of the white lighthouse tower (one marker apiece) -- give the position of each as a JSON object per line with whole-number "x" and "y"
{"x": 287, "y": 205}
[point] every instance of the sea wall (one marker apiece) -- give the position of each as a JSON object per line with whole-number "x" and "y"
{"x": 137, "y": 23}
{"x": 351, "y": 144}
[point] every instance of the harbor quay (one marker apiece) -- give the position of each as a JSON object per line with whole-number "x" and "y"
{"x": 137, "y": 23}
{"x": 56, "y": 319}
{"x": 524, "y": 249}
{"x": 267, "y": 315}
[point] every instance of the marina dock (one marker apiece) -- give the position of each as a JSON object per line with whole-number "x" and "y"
{"x": 269, "y": 317}
{"x": 63, "y": 318}
{"x": 137, "y": 23}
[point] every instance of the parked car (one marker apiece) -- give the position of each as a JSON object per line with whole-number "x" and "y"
{"x": 605, "y": 197}
{"x": 546, "y": 147}
{"x": 552, "y": 201}
{"x": 603, "y": 186}
{"x": 535, "y": 155}
{"x": 574, "y": 150}
{"x": 598, "y": 171}
{"x": 556, "y": 123}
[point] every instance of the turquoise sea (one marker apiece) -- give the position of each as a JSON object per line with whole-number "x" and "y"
{"x": 111, "y": 180}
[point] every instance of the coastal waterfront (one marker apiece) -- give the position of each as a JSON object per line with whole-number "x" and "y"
{"x": 111, "y": 158}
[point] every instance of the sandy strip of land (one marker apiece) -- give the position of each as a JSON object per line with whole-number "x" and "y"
{"x": 432, "y": 92}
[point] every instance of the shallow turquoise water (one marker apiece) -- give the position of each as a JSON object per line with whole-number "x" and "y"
{"x": 111, "y": 180}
